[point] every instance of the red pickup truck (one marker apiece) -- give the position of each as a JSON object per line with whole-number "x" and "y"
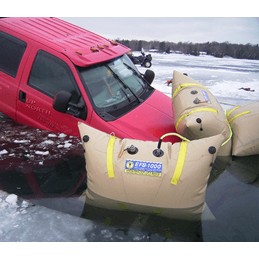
{"x": 54, "y": 74}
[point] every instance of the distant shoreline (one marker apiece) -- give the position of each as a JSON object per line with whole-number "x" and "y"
{"x": 219, "y": 50}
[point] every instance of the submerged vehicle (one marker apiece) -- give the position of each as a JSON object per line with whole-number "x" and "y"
{"x": 54, "y": 74}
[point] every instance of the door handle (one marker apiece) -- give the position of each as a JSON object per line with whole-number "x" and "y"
{"x": 22, "y": 96}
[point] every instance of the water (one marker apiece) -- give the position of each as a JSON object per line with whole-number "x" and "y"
{"x": 48, "y": 170}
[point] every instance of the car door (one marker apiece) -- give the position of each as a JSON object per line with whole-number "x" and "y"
{"x": 47, "y": 74}
{"x": 12, "y": 51}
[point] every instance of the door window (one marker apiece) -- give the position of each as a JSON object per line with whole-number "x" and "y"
{"x": 11, "y": 52}
{"x": 50, "y": 75}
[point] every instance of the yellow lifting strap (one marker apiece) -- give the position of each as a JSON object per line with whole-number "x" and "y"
{"x": 176, "y": 135}
{"x": 181, "y": 86}
{"x": 230, "y": 136}
{"x": 180, "y": 163}
{"x": 238, "y": 115}
{"x": 109, "y": 156}
{"x": 232, "y": 110}
{"x": 193, "y": 111}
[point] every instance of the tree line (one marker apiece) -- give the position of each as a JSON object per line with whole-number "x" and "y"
{"x": 239, "y": 51}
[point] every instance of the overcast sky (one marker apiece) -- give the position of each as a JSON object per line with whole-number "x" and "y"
{"x": 187, "y": 20}
{"x": 196, "y": 29}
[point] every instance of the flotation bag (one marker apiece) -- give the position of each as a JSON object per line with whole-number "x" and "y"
{"x": 145, "y": 176}
{"x": 244, "y": 121}
{"x": 197, "y": 112}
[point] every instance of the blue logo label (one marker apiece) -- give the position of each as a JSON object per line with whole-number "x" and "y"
{"x": 143, "y": 167}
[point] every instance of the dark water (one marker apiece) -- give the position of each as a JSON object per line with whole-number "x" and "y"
{"x": 49, "y": 170}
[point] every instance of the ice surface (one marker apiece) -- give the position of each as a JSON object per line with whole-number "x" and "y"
{"x": 22, "y": 221}
{"x": 223, "y": 76}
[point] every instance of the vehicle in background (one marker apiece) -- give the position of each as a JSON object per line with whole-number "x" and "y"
{"x": 143, "y": 59}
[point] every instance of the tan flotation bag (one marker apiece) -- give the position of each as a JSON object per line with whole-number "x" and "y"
{"x": 153, "y": 177}
{"x": 197, "y": 112}
{"x": 244, "y": 121}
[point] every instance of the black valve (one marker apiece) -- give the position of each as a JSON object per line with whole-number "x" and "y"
{"x": 132, "y": 150}
{"x": 199, "y": 121}
{"x": 158, "y": 152}
{"x": 212, "y": 150}
{"x": 194, "y": 92}
{"x": 86, "y": 138}
{"x": 197, "y": 100}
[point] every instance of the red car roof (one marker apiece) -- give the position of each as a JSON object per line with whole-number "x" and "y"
{"x": 81, "y": 46}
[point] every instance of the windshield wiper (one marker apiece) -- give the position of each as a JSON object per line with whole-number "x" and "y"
{"x": 138, "y": 75}
{"x": 124, "y": 85}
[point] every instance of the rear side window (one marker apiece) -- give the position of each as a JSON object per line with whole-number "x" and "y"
{"x": 11, "y": 52}
{"x": 50, "y": 75}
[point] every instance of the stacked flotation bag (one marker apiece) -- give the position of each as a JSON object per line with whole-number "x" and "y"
{"x": 197, "y": 112}
{"x": 244, "y": 121}
{"x": 145, "y": 176}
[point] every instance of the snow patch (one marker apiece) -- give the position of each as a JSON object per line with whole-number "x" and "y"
{"x": 67, "y": 145}
{"x": 51, "y": 135}
{"x": 12, "y": 199}
{"x": 43, "y": 153}
{"x": 3, "y": 152}
{"x": 22, "y": 141}
{"x": 47, "y": 142}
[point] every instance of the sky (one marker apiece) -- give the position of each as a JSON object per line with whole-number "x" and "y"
{"x": 164, "y": 20}
{"x": 240, "y": 30}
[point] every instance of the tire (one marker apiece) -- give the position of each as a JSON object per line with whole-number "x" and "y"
{"x": 147, "y": 64}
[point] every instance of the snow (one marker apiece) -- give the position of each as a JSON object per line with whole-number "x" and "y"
{"x": 11, "y": 199}
{"x": 222, "y": 76}
{"x": 51, "y": 135}
{"x": 3, "y": 152}
{"x": 21, "y": 141}
{"x": 67, "y": 145}
{"x": 43, "y": 153}
{"x": 62, "y": 135}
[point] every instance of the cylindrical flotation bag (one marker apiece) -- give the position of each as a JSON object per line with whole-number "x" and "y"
{"x": 197, "y": 112}
{"x": 244, "y": 121}
{"x": 146, "y": 176}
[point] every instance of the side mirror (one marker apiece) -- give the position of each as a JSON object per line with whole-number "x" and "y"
{"x": 61, "y": 101}
{"x": 149, "y": 76}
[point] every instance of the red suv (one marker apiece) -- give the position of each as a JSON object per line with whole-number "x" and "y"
{"x": 54, "y": 74}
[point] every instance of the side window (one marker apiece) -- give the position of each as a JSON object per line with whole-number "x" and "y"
{"x": 50, "y": 75}
{"x": 11, "y": 52}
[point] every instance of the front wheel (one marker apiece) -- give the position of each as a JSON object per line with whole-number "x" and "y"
{"x": 147, "y": 64}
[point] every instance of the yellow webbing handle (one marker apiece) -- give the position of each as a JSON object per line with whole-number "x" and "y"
{"x": 109, "y": 156}
{"x": 180, "y": 163}
{"x": 193, "y": 111}
{"x": 181, "y": 86}
{"x": 232, "y": 110}
{"x": 176, "y": 135}
{"x": 238, "y": 115}
{"x": 229, "y": 137}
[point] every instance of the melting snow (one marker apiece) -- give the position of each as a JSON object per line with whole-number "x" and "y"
{"x": 43, "y": 153}
{"x": 11, "y": 199}
{"x": 22, "y": 141}
{"x": 3, "y": 152}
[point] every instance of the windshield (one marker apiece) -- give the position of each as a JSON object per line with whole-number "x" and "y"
{"x": 114, "y": 84}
